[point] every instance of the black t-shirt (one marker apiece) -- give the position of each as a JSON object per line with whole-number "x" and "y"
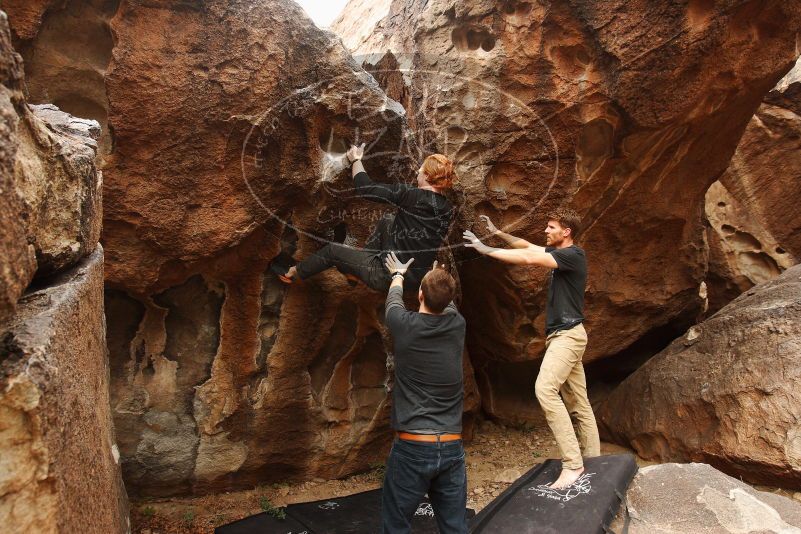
{"x": 566, "y": 289}
{"x": 429, "y": 390}
{"x": 421, "y": 222}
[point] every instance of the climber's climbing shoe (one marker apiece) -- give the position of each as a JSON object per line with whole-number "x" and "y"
{"x": 280, "y": 267}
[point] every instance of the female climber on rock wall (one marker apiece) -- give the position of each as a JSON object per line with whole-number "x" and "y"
{"x": 417, "y": 229}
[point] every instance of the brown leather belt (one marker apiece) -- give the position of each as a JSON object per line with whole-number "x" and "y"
{"x": 429, "y": 438}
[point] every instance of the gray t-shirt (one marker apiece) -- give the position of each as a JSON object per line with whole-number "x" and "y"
{"x": 429, "y": 390}
{"x": 565, "y": 307}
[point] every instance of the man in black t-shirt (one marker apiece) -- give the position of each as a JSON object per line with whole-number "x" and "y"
{"x": 565, "y": 342}
{"x": 418, "y": 229}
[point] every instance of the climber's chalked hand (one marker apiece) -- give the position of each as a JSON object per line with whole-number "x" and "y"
{"x": 355, "y": 153}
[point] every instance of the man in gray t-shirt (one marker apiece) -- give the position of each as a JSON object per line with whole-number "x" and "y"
{"x": 427, "y": 455}
{"x": 561, "y": 386}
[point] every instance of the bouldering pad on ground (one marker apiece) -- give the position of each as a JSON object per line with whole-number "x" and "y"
{"x": 527, "y": 506}
{"x": 586, "y": 507}
{"x": 355, "y": 514}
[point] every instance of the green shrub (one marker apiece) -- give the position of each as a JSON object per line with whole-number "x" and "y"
{"x": 271, "y": 509}
{"x": 189, "y": 517}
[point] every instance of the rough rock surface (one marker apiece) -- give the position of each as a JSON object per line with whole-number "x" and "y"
{"x": 765, "y": 172}
{"x": 17, "y": 256}
{"x": 727, "y": 393}
{"x": 628, "y": 111}
{"x": 742, "y": 250}
{"x": 60, "y": 187}
{"x": 753, "y": 209}
{"x": 362, "y": 21}
{"x": 51, "y": 214}
{"x": 56, "y": 432}
{"x": 672, "y": 498}
{"x": 67, "y": 50}
{"x": 221, "y": 127}
{"x": 229, "y": 122}
{"x": 60, "y": 470}
{"x": 27, "y": 16}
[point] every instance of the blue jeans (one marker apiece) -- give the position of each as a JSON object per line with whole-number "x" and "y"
{"x": 414, "y": 469}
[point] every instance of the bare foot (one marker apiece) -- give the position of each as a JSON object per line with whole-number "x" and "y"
{"x": 566, "y": 478}
{"x": 292, "y": 272}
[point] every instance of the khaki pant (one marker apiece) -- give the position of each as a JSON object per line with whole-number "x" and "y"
{"x": 563, "y": 372}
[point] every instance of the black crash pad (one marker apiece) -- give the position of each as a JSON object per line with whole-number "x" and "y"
{"x": 528, "y": 506}
{"x": 262, "y": 523}
{"x": 355, "y": 514}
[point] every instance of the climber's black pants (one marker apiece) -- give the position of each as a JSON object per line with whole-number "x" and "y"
{"x": 367, "y": 263}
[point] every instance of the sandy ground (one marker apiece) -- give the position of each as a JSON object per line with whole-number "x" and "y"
{"x": 495, "y": 458}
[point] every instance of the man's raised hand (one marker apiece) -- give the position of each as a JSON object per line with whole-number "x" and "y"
{"x": 491, "y": 228}
{"x": 355, "y": 153}
{"x": 474, "y": 242}
{"x": 394, "y": 265}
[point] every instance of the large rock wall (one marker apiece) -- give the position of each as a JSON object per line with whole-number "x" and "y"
{"x": 743, "y": 251}
{"x": 56, "y": 434}
{"x": 628, "y": 111}
{"x": 755, "y": 226}
{"x": 252, "y": 125}
{"x": 17, "y": 256}
{"x": 61, "y": 462}
{"x": 765, "y": 172}
{"x": 224, "y": 146}
{"x": 228, "y": 123}
{"x": 727, "y": 393}
{"x": 51, "y": 214}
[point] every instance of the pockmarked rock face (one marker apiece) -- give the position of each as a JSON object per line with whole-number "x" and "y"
{"x": 668, "y": 498}
{"x": 626, "y": 111}
{"x": 726, "y": 393}
{"x": 227, "y": 128}
{"x": 61, "y": 470}
{"x": 248, "y": 130}
{"x": 225, "y": 142}
{"x": 51, "y": 202}
{"x": 743, "y": 251}
{"x": 764, "y": 172}
{"x": 753, "y": 209}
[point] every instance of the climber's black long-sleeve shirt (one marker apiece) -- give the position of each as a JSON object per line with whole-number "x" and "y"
{"x": 421, "y": 223}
